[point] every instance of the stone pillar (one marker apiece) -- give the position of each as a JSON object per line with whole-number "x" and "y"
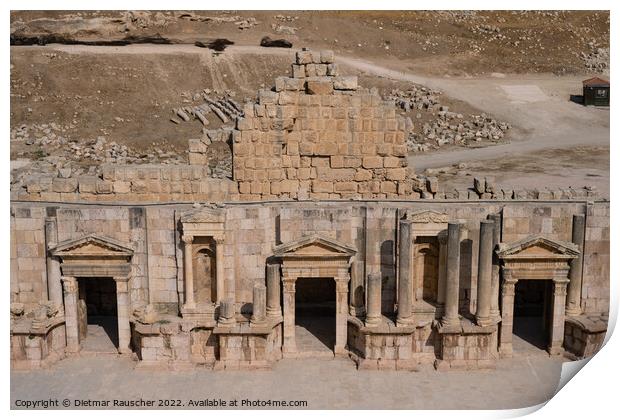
{"x": 219, "y": 269}
{"x": 373, "y": 304}
{"x": 259, "y": 298}
{"x": 451, "y": 311}
{"x": 573, "y": 302}
{"x": 485, "y": 268}
{"x": 556, "y": 339}
{"x": 356, "y": 292}
{"x": 273, "y": 291}
{"x": 442, "y": 238}
{"x": 54, "y": 285}
{"x": 508, "y": 302}
{"x": 288, "y": 333}
{"x": 188, "y": 271}
{"x": 342, "y": 313}
{"x": 227, "y": 313}
{"x": 404, "y": 274}
{"x": 70, "y": 288}
{"x": 497, "y": 232}
{"x": 122, "y": 309}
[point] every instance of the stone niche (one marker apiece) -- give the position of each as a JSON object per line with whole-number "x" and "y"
{"x": 203, "y": 238}
{"x": 428, "y": 259}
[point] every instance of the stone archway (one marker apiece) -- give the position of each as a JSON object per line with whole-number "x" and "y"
{"x": 314, "y": 256}
{"x": 535, "y": 258}
{"x": 94, "y": 256}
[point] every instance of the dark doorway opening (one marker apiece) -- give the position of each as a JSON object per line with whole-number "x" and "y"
{"x": 315, "y": 314}
{"x": 532, "y": 314}
{"x": 97, "y": 314}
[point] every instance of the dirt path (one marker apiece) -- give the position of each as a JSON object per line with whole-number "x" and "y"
{"x": 537, "y": 105}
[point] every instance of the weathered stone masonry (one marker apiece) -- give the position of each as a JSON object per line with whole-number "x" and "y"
{"x": 421, "y": 275}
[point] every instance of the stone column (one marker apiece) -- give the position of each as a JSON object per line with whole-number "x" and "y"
{"x": 451, "y": 311}
{"x": 219, "y": 269}
{"x": 70, "y": 288}
{"x": 373, "y": 304}
{"x": 273, "y": 291}
{"x": 342, "y": 313}
{"x": 188, "y": 271}
{"x": 442, "y": 238}
{"x": 122, "y": 309}
{"x": 54, "y": 285}
{"x": 508, "y": 302}
{"x": 227, "y": 313}
{"x": 404, "y": 274}
{"x": 356, "y": 292}
{"x": 497, "y": 231}
{"x": 485, "y": 268}
{"x": 288, "y": 330}
{"x": 556, "y": 339}
{"x": 573, "y": 302}
{"x": 259, "y": 298}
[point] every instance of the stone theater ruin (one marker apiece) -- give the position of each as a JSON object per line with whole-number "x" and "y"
{"x": 324, "y": 244}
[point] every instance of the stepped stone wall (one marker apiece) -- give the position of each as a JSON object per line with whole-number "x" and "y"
{"x": 320, "y": 136}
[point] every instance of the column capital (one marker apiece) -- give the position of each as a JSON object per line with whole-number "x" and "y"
{"x": 442, "y": 237}
{"x": 121, "y": 278}
{"x": 289, "y": 284}
{"x": 188, "y": 239}
{"x": 69, "y": 284}
{"x": 219, "y": 240}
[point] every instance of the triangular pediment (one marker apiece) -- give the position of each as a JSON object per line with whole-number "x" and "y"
{"x": 426, "y": 216}
{"x": 203, "y": 215}
{"x": 538, "y": 246}
{"x": 92, "y": 245}
{"x": 314, "y": 246}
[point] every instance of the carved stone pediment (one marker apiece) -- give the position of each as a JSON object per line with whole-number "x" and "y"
{"x": 92, "y": 246}
{"x": 426, "y": 216}
{"x": 203, "y": 215}
{"x": 538, "y": 247}
{"x": 314, "y": 246}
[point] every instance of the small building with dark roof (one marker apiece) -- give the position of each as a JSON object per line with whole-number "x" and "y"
{"x": 596, "y": 92}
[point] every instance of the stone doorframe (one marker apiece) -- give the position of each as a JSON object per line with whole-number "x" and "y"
{"x": 319, "y": 257}
{"x": 95, "y": 256}
{"x": 535, "y": 258}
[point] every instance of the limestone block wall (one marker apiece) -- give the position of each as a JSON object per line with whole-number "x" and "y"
{"x": 320, "y": 136}
{"x": 253, "y": 230}
{"x": 28, "y": 269}
{"x": 130, "y": 183}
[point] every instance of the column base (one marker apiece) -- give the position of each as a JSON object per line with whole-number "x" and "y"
{"x": 555, "y": 350}
{"x": 484, "y": 321}
{"x": 372, "y": 321}
{"x": 274, "y": 313}
{"x": 404, "y": 322}
{"x": 573, "y": 311}
{"x": 124, "y": 350}
{"x": 505, "y": 350}
{"x": 450, "y": 322}
{"x": 357, "y": 311}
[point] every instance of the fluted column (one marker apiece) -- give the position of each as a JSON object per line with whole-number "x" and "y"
{"x": 485, "y": 267}
{"x": 558, "y": 316}
{"x": 404, "y": 274}
{"x": 508, "y": 303}
{"x": 356, "y": 291}
{"x": 497, "y": 231}
{"x": 442, "y": 238}
{"x": 188, "y": 271}
{"x": 70, "y": 289}
{"x": 273, "y": 291}
{"x": 259, "y": 294}
{"x": 54, "y": 285}
{"x": 373, "y": 304}
{"x": 289, "y": 344}
{"x": 573, "y": 301}
{"x": 219, "y": 269}
{"x": 451, "y": 312}
{"x": 122, "y": 312}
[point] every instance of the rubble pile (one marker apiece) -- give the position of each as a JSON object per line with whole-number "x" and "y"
{"x": 445, "y": 127}
{"x": 224, "y": 107}
{"x": 597, "y": 60}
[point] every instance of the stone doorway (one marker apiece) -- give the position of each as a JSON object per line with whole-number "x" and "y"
{"x": 97, "y": 314}
{"x": 532, "y": 315}
{"x": 315, "y": 315}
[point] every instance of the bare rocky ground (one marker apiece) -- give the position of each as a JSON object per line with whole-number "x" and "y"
{"x": 466, "y": 80}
